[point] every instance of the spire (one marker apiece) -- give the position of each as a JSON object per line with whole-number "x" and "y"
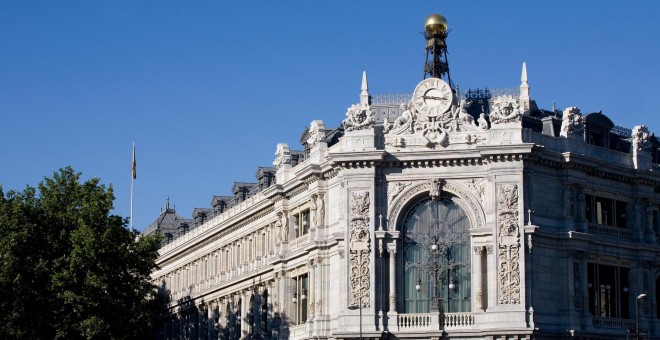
{"x": 525, "y": 102}
{"x": 364, "y": 94}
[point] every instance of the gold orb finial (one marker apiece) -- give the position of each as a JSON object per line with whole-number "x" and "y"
{"x": 435, "y": 24}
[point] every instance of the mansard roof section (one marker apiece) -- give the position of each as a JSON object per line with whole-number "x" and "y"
{"x": 168, "y": 222}
{"x": 264, "y": 171}
{"x": 240, "y": 187}
{"x": 598, "y": 119}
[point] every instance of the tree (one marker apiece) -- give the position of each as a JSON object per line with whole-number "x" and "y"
{"x": 69, "y": 269}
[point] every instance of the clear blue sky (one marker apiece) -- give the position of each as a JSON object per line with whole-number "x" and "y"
{"x": 208, "y": 88}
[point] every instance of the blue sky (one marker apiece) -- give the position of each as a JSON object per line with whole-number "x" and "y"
{"x": 208, "y": 88}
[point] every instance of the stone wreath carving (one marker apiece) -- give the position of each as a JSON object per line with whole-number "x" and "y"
{"x": 509, "y": 247}
{"x": 505, "y": 110}
{"x": 358, "y": 117}
{"x": 359, "y": 239}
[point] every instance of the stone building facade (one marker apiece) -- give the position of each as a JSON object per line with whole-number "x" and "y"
{"x": 424, "y": 220}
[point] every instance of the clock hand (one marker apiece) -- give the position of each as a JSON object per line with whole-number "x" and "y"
{"x": 433, "y": 97}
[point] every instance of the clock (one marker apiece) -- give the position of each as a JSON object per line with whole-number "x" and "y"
{"x": 433, "y": 96}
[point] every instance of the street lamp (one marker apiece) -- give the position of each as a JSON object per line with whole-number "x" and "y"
{"x": 639, "y": 297}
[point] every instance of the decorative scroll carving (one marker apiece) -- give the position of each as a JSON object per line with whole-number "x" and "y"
{"x": 571, "y": 122}
{"x": 358, "y": 117}
{"x": 509, "y": 246}
{"x": 505, "y": 110}
{"x": 359, "y": 249}
{"x": 394, "y": 190}
{"x": 509, "y": 274}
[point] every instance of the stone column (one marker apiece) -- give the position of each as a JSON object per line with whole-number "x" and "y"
{"x": 478, "y": 280}
{"x": 391, "y": 249}
{"x": 491, "y": 275}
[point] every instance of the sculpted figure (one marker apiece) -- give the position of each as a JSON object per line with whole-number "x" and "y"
{"x": 483, "y": 123}
{"x": 405, "y": 118}
{"x": 462, "y": 115}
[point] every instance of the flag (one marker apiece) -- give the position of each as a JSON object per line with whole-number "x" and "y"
{"x": 134, "y": 164}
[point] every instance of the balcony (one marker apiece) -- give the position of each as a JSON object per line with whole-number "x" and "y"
{"x": 612, "y": 323}
{"x": 431, "y": 321}
{"x": 608, "y": 231}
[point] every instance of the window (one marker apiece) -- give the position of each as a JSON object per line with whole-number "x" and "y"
{"x": 437, "y": 258}
{"x": 608, "y": 291}
{"x": 301, "y": 223}
{"x": 299, "y": 298}
{"x": 605, "y": 211}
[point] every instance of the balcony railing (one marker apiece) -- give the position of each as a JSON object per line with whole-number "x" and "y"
{"x": 611, "y": 323}
{"x": 431, "y": 321}
{"x": 615, "y": 232}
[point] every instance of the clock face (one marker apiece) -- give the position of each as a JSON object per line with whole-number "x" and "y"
{"x": 433, "y": 96}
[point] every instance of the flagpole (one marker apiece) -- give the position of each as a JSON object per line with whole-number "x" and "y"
{"x": 132, "y": 180}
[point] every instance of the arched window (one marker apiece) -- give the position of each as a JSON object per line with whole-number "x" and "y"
{"x": 436, "y": 257}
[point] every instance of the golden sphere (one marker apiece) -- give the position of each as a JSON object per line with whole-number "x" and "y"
{"x": 435, "y": 24}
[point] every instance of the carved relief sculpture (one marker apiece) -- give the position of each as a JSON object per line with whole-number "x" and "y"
{"x": 505, "y": 110}
{"x": 313, "y": 210}
{"x": 509, "y": 246}
{"x": 394, "y": 191}
{"x": 571, "y": 122}
{"x": 282, "y": 225}
{"x": 640, "y": 138}
{"x": 359, "y": 239}
{"x": 282, "y": 156}
{"x": 316, "y": 133}
{"x": 321, "y": 206}
{"x": 435, "y": 189}
{"x": 358, "y": 117}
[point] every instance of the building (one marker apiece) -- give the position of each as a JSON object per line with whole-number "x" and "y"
{"x": 442, "y": 214}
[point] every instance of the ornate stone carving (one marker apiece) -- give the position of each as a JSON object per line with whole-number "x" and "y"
{"x": 359, "y": 239}
{"x": 509, "y": 274}
{"x": 640, "y": 138}
{"x": 489, "y": 250}
{"x": 282, "y": 156}
{"x": 479, "y": 250}
{"x": 392, "y": 301}
{"x": 316, "y": 133}
{"x": 505, "y": 110}
{"x": 414, "y": 128}
{"x": 319, "y": 306}
{"x": 480, "y": 298}
{"x": 310, "y": 308}
{"x": 483, "y": 123}
{"x": 508, "y": 213}
{"x": 509, "y": 246}
{"x": 477, "y": 187}
{"x": 449, "y": 186}
{"x": 403, "y": 124}
{"x": 358, "y": 117}
{"x": 435, "y": 188}
{"x": 394, "y": 190}
{"x": 571, "y": 122}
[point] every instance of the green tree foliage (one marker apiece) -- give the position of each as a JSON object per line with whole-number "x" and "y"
{"x": 71, "y": 270}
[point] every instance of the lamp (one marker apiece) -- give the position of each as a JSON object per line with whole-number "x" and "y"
{"x": 418, "y": 286}
{"x": 303, "y": 295}
{"x": 452, "y": 284}
{"x": 294, "y": 299}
